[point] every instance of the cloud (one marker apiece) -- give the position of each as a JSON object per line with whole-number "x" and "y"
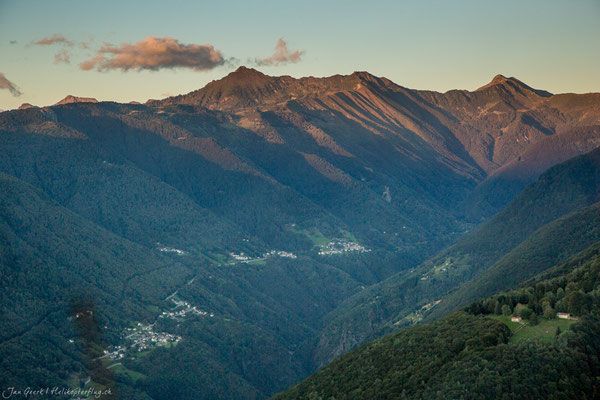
{"x": 54, "y": 39}
{"x": 91, "y": 63}
{"x": 6, "y": 84}
{"x": 62, "y": 56}
{"x": 281, "y": 56}
{"x": 154, "y": 53}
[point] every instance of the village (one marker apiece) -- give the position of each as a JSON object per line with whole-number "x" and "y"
{"x": 182, "y": 309}
{"x": 140, "y": 338}
{"x": 244, "y": 258}
{"x": 165, "y": 249}
{"x": 144, "y": 337}
{"x": 340, "y": 246}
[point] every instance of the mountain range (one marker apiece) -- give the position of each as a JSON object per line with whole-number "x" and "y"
{"x": 261, "y": 226}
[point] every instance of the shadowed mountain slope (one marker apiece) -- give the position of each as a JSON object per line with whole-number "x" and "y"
{"x": 479, "y": 352}
{"x": 532, "y": 221}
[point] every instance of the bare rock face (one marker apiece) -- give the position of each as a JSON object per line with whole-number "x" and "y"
{"x": 25, "y": 106}
{"x": 74, "y": 99}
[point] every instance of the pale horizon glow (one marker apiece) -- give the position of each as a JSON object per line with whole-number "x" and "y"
{"x": 432, "y": 45}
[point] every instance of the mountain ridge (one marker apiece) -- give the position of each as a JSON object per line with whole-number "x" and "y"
{"x": 70, "y": 99}
{"x": 497, "y": 116}
{"x": 245, "y": 76}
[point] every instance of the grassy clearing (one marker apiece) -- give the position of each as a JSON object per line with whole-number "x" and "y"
{"x": 312, "y": 233}
{"x": 319, "y": 239}
{"x": 545, "y": 330}
{"x": 349, "y": 236}
{"x": 257, "y": 262}
{"x": 123, "y": 371}
{"x": 74, "y": 379}
{"x": 215, "y": 258}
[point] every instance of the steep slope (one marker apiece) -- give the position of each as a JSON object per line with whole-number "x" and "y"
{"x": 130, "y": 177}
{"x": 299, "y": 182}
{"x": 398, "y": 301}
{"x": 547, "y": 246}
{"x": 52, "y": 259}
{"x": 267, "y": 203}
{"x": 505, "y": 122}
{"x": 479, "y": 353}
{"x": 507, "y": 181}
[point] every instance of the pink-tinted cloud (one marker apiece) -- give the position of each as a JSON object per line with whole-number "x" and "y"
{"x": 282, "y": 55}
{"x": 63, "y": 56}
{"x": 54, "y": 39}
{"x": 92, "y": 63}
{"x": 154, "y": 53}
{"x": 6, "y": 84}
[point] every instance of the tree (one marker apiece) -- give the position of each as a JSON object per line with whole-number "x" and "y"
{"x": 533, "y": 319}
{"x": 575, "y": 302}
{"x": 526, "y": 313}
{"x": 548, "y": 311}
{"x": 498, "y": 309}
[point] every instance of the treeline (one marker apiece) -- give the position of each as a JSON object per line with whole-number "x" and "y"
{"x": 573, "y": 293}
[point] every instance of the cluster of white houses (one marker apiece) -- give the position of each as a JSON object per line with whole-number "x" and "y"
{"x": 172, "y": 250}
{"x": 144, "y": 338}
{"x": 280, "y": 253}
{"x": 341, "y": 246}
{"x": 244, "y": 258}
{"x": 140, "y": 338}
{"x": 185, "y": 309}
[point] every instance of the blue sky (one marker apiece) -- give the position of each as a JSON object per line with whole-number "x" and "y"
{"x": 438, "y": 45}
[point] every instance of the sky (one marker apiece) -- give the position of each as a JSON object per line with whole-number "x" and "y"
{"x": 139, "y": 50}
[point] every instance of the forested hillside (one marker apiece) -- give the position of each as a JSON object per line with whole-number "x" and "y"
{"x": 547, "y": 246}
{"x": 480, "y": 353}
{"x": 485, "y": 261}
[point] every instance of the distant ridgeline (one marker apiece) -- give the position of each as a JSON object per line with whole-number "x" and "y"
{"x": 480, "y": 353}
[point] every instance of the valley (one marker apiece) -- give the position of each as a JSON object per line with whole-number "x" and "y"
{"x": 232, "y": 241}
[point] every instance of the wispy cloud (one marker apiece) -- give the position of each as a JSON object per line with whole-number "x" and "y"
{"x": 60, "y": 40}
{"x": 282, "y": 55}
{"x": 11, "y": 87}
{"x": 154, "y": 53}
{"x": 63, "y": 56}
{"x": 54, "y": 39}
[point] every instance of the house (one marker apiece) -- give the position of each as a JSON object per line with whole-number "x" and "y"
{"x": 516, "y": 319}
{"x": 563, "y": 315}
